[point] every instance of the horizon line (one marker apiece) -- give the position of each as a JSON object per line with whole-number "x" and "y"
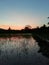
{"x": 6, "y": 27}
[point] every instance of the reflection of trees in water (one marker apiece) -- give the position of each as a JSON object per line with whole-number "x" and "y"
{"x": 19, "y": 52}
{"x": 10, "y": 48}
{"x": 44, "y": 48}
{"x": 24, "y": 47}
{"x": 0, "y": 51}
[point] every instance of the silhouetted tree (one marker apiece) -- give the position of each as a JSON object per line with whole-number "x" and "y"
{"x": 48, "y": 23}
{"x": 9, "y": 28}
{"x": 44, "y": 26}
{"x": 27, "y": 27}
{"x": 48, "y": 17}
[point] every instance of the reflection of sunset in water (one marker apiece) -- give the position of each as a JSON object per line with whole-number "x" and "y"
{"x": 20, "y": 50}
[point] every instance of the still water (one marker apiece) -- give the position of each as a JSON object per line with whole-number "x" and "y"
{"x": 21, "y": 51}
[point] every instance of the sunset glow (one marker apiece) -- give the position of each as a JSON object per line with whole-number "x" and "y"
{"x": 24, "y": 32}
{"x": 14, "y": 27}
{"x": 19, "y": 13}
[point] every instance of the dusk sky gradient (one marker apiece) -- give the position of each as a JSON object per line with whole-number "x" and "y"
{"x": 18, "y": 13}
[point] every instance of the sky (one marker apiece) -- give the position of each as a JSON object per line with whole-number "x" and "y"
{"x": 19, "y": 13}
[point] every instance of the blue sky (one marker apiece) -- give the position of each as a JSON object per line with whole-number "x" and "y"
{"x": 24, "y": 12}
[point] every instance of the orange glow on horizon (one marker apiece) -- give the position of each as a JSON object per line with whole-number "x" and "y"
{"x": 14, "y": 27}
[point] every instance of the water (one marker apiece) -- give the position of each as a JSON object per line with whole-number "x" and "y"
{"x": 21, "y": 51}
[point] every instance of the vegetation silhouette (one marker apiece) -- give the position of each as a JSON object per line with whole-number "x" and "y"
{"x": 28, "y": 30}
{"x": 41, "y": 35}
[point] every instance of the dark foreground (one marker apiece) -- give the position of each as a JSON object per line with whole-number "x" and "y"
{"x": 23, "y": 50}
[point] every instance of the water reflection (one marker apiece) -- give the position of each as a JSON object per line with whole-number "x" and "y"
{"x": 44, "y": 47}
{"x": 21, "y": 51}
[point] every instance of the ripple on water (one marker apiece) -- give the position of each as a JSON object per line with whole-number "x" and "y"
{"x": 20, "y": 51}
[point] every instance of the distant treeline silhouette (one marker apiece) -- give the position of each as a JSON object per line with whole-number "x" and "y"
{"x": 42, "y": 30}
{"x": 40, "y": 34}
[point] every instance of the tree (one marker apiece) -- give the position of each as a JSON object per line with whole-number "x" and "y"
{"x": 9, "y": 28}
{"x": 48, "y": 23}
{"x": 48, "y": 17}
{"x": 28, "y": 27}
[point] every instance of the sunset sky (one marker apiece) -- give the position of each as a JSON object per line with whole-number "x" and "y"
{"x": 18, "y": 13}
